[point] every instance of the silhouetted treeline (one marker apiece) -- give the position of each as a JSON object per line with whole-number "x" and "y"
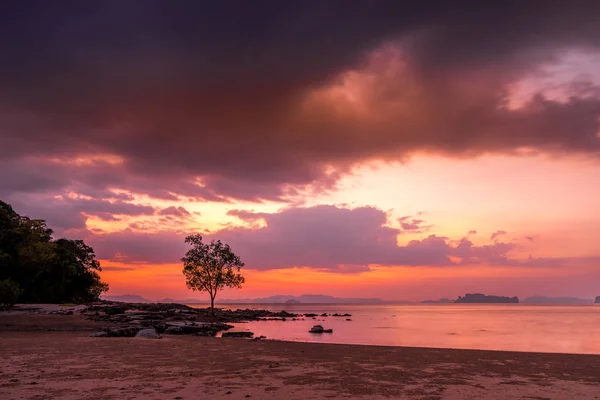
{"x": 46, "y": 270}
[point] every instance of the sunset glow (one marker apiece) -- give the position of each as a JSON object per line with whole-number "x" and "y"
{"x": 404, "y": 164}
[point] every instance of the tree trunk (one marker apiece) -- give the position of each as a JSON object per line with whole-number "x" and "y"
{"x": 212, "y": 306}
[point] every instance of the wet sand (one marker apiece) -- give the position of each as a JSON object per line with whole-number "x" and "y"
{"x": 51, "y": 357}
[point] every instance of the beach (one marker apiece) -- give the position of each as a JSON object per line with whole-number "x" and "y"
{"x": 52, "y": 356}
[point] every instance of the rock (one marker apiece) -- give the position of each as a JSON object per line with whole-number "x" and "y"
{"x": 310, "y": 315}
{"x": 348, "y": 319}
{"x": 148, "y": 334}
{"x": 128, "y": 331}
{"x": 114, "y": 310}
{"x": 324, "y": 315}
{"x": 173, "y": 330}
{"x": 320, "y": 329}
{"x": 238, "y": 334}
{"x": 341, "y": 315}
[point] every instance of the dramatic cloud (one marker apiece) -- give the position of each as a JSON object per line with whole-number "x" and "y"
{"x": 322, "y": 237}
{"x": 257, "y": 101}
{"x": 133, "y": 247}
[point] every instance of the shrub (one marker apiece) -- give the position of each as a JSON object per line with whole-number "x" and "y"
{"x": 9, "y": 293}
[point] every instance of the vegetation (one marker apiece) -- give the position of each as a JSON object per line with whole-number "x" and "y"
{"x": 9, "y": 293}
{"x": 46, "y": 270}
{"x": 211, "y": 267}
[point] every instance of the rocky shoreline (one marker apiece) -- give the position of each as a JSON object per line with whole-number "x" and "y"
{"x": 179, "y": 319}
{"x": 151, "y": 320}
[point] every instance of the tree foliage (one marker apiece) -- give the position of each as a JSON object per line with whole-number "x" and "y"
{"x": 211, "y": 267}
{"x": 9, "y": 293}
{"x": 46, "y": 270}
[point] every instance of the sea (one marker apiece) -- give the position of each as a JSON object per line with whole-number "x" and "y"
{"x": 511, "y": 327}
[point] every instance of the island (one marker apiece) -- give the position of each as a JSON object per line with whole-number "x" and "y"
{"x": 482, "y": 298}
{"x": 597, "y": 300}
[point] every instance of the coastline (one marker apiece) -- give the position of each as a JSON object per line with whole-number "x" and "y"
{"x": 52, "y": 356}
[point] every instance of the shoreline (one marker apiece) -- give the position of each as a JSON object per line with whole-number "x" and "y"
{"x": 71, "y": 365}
{"x": 53, "y": 356}
{"x": 132, "y": 317}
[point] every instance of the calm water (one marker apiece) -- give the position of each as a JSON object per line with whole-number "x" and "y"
{"x": 520, "y": 327}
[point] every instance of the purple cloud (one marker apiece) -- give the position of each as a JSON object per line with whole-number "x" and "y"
{"x": 175, "y": 212}
{"x": 413, "y": 225}
{"x": 250, "y": 128}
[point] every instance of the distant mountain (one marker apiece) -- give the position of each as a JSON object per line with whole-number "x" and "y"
{"x": 305, "y": 298}
{"x": 482, "y": 298}
{"x": 597, "y": 301}
{"x": 127, "y": 298}
{"x": 440, "y": 301}
{"x": 182, "y": 301}
{"x": 556, "y": 300}
{"x": 283, "y": 299}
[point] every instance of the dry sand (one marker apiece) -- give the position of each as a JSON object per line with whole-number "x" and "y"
{"x": 52, "y": 357}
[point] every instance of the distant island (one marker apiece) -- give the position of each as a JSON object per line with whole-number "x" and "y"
{"x": 440, "y": 301}
{"x": 597, "y": 301}
{"x": 278, "y": 299}
{"x": 557, "y": 300}
{"x": 482, "y": 298}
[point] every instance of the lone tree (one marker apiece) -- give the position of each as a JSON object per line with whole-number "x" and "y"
{"x": 210, "y": 267}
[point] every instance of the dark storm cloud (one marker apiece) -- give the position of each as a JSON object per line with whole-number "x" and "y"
{"x": 218, "y": 90}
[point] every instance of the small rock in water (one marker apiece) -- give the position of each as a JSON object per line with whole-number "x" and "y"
{"x": 148, "y": 334}
{"x": 99, "y": 334}
{"x": 320, "y": 329}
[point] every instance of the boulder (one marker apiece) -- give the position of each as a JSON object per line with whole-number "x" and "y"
{"x": 173, "y": 330}
{"x": 148, "y": 334}
{"x": 128, "y": 331}
{"x": 114, "y": 310}
{"x": 320, "y": 329}
{"x": 238, "y": 334}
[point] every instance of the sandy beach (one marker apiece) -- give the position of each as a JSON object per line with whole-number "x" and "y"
{"x": 52, "y": 356}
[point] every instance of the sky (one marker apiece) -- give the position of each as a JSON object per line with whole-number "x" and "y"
{"x": 390, "y": 149}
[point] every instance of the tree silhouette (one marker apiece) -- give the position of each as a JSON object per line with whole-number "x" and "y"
{"x": 46, "y": 270}
{"x": 211, "y": 267}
